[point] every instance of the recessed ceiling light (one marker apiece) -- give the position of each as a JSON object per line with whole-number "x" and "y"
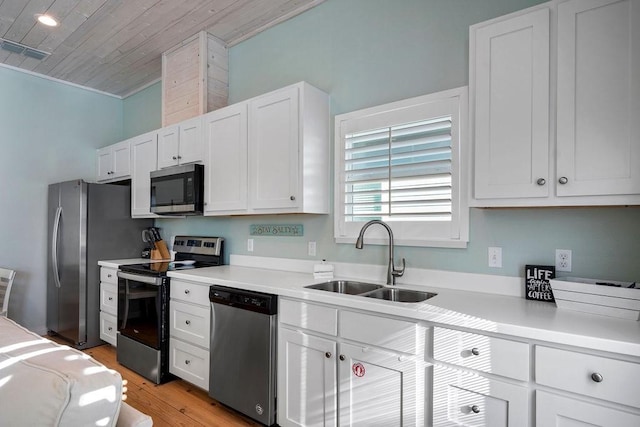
{"x": 47, "y": 20}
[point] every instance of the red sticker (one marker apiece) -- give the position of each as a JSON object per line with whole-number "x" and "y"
{"x": 358, "y": 369}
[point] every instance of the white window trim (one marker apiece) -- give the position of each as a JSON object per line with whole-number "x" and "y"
{"x": 455, "y": 101}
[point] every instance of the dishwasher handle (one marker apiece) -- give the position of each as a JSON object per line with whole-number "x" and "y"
{"x": 258, "y": 302}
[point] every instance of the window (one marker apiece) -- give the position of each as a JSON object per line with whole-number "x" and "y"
{"x": 402, "y": 163}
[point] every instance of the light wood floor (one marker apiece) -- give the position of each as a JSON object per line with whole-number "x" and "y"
{"x": 176, "y": 403}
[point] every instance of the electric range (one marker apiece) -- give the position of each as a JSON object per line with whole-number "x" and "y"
{"x": 143, "y": 305}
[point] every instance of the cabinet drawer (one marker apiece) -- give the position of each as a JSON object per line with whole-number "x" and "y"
{"x": 466, "y": 399}
{"x": 594, "y": 376}
{"x": 392, "y": 334}
{"x": 553, "y": 411}
{"x": 109, "y": 298}
{"x": 108, "y": 328}
{"x": 195, "y": 293}
{"x": 487, "y": 354}
{"x": 313, "y": 317}
{"x": 190, "y": 323}
{"x": 108, "y": 275}
{"x": 189, "y": 362}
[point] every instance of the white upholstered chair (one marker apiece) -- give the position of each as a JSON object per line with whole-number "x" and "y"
{"x": 6, "y": 280}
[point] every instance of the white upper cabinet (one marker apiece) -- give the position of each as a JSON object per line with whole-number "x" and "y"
{"x": 274, "y": 135}
{"x": 555, "y": 97}
{"x": 269, "y": 154}
{"x": 598, "y": 131}
{"x": 113, "y": 162}
{"x": 511, "y": 105}
{"x": 225, "y": 161}
{"x": 181, "y": 143}
{"x": 289, "y": 151}
{"x": 144, "y": 159}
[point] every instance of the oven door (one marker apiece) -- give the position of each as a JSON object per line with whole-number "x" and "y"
{"x": 143, "y": 308}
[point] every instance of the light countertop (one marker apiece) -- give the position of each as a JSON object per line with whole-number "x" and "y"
{"x": 487, "y": 312}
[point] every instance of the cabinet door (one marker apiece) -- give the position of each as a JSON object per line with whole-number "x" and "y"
{"x": 306, "y": 380}
{"x": 144, "y": 159}
{"x": 226, "y": 160}
{"x": 190, "y": 141}
{"x": 273, "y": 150}
{"x": 465, "y": 399}
{"x": 104, "y": 163}
{"x": 121, "y": 160}
{"x": 598, "y": 132}
{"x": 378, "y": 388}
{"x": 510, "y": 80}
{"x": 558, "y": 411}
{"x": 168, "y": 146}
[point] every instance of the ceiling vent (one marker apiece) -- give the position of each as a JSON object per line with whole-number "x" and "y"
{"x": 21, "y": 49}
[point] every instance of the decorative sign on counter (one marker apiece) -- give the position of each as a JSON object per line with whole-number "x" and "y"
{"x": 294, "y": 230}
{"x": 537, "y": 286}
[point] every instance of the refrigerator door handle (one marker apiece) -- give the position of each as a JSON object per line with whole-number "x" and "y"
{"x": 54, "y": 246}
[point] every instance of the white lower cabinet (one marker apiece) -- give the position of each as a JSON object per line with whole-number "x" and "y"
{"x": 108, "y": 304}
{"x": 189, "y": 330}
{"x": 108, "y": 328}
{"x": 307, "y": 382}
{"x": 329, "y": 381}
{"x": 378, "y": 388}
{"x": 559, "y": 411}
{"x": 467, "y": 399}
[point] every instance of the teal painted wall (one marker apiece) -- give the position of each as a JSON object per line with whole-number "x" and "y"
{"x": 142, "y": 111}
{"x": 49, "y": 132}
{"x": 368, "y": 52}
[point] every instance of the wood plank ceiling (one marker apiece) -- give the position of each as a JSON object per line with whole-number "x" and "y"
{"x": 116, "y": 46}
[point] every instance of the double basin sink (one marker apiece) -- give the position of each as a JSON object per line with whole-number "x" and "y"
{"x": 371, "y": 290}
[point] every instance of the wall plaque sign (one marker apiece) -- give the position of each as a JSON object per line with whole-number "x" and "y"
{"x": 291, "y": 230}
{"x": 536, "y": 284}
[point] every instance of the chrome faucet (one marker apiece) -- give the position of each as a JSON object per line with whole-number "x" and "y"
{"x": 392, "y": 273}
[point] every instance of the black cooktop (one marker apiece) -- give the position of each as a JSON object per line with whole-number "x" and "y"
{"x": 191, "y": 252}
{"x": 161, "y": 268}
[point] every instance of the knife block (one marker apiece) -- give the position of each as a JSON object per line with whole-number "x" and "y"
{"x": 161, "y": 251}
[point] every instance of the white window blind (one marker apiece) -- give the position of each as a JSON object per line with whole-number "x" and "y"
{"x": 404, "y": 163}
{"x": 399, "y": 173}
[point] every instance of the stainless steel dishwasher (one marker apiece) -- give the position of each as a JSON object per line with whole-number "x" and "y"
{"x": 242, "y": 372}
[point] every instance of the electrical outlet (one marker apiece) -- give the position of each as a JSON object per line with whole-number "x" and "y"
{"x": 495, "y": 257}
{"x": 249, "y": 245}
{"x": 563, "y": 259}
{"x": 312, "y": 249}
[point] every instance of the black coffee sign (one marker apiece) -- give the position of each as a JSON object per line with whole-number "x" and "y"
{"x": 537, "y": 286}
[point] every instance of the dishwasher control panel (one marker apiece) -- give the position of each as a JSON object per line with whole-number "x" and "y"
{"x": 243, "y": 299}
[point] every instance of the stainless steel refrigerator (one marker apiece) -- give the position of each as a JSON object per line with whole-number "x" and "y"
{"x": 86, "y": 223}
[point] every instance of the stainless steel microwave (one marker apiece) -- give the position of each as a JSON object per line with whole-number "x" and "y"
{"x": 178, "y": 190}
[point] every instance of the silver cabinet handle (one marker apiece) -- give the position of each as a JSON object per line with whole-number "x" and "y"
{"x": 596, "y": 377}
{"x": 109, "y": 275}
{"x": 541, "y": 181}
{"x": 188, "y": 322}
{"x": 475, "y": 351}
{"x": 475, "y": 409}
{"x": 186, "y": 291}
{"x": 110, "y": 298}
{"x": 179, "y": 157}
{"x": 563, "y": 180}
{"x": 292, "y": 198}
{"x": 110, "y": 328}
{"x": 174, "y": 158}
{"x": 342, "y": 357}
{"x": 327, "y": 355}
{"x": 187, "y": 362}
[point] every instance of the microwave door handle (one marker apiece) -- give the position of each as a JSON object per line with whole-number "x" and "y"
{"x": 54, "y": 246}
